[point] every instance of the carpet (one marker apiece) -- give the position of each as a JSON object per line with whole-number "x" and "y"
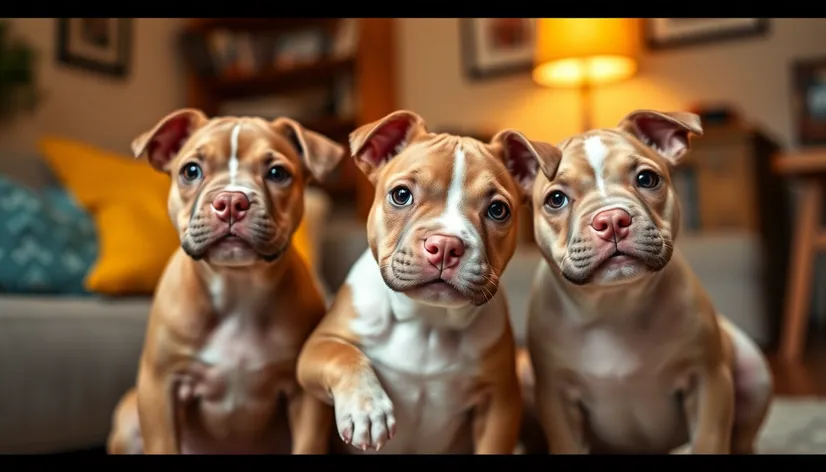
{"x": 796, "y": 425}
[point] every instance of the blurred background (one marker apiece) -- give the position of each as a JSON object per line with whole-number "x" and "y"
{"x": 84, "y": 233}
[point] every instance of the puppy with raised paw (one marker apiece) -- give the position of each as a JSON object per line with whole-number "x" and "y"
{"x": 236, "y": 302}
{"x": 629, "y": 354}
{"x": 417, "y": 353}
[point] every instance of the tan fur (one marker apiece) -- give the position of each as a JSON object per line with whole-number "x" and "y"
{"x": 613, "y": 353}
{"x": 334, "y": 364}
{"x": 227, "y": 298}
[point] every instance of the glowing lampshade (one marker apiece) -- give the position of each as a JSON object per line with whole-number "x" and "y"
{"x": 571, "y": 52}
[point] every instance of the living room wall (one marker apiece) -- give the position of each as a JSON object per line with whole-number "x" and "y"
{"x": 752, "y": 74}
{"x": 97, "y": 109}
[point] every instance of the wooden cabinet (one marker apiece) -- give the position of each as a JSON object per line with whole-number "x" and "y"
{"x": 734, "y": 189}
{"x": 371, "y": 66}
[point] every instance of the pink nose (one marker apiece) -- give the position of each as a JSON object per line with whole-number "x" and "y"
{"x": 230, "y": 206}
{"x": 612, "y": 225}
{"x": 444, "y": 252}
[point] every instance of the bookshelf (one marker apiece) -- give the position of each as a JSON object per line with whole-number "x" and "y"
{"x": 330, "y": 74}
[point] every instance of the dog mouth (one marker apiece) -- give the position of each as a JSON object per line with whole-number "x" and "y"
{"x": 438, "y": 283}
{"x": 232, "y": 242}
{"x": 231, "y": 239}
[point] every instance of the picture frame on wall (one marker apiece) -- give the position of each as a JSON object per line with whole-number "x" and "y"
{"x": 668, "y": 33}
{"x": 809, "y": 100}
{"x": 100, "y": 45}
{"x": 495, "y": 47}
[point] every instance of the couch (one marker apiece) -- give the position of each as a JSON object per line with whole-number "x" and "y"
{"x": 65, "y": 361}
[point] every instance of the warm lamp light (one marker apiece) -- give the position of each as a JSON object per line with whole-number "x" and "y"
{"x": 583, "y": 52}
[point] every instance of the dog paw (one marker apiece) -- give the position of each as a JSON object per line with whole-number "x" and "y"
{"x": 364, "y": 413}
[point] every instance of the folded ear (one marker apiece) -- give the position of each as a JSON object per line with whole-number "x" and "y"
{"x": 524, "y": 158}
{"x": 667, "y": 133}
{"x": 163, "y": 142}
{"x": 374, "y": 144}
{"x": 319, "y": 153}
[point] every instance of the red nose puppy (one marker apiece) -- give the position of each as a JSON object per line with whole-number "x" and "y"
{"x": 236, "y": 302}
{"x": 417, "y": 353}
{"x": 630, "y": 355}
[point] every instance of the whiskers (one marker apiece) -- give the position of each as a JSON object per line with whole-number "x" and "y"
{"x": 267, "y": 237}
{"x": 647, "y": 243}
{"x": 486, "y": 290}
{"x": 406, "y": 269}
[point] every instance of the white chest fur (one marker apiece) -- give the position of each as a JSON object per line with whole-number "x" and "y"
{"x": 428, "y": 369}
{"x": 605, "y": 354}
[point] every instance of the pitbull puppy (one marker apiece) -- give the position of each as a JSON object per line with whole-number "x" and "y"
{"x": 235, "y": 302}
{"x": 417, "y": 348}
{"x": 629, "y": 353}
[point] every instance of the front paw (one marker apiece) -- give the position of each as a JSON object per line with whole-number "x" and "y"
{"x": 364, "y": 413}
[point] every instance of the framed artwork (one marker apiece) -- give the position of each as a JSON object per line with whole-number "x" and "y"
{"x": 497, "y": 46}
{"x": 666, "y": 33}
{"x": 809, "y": 100}
{"x": 102, "y": 45}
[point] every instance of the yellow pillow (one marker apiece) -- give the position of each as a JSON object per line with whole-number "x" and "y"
{"x": 127, "y": 199}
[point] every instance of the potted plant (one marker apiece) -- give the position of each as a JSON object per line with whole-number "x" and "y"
{"x": 18, "y": 88}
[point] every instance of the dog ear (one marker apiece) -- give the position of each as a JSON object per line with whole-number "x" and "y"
{"x": 163, "y": 142}
{"x": 374, "y": 144}
{"x": 319, "y": 153}
{"x": 667, "y": 133}
{"x": 524, "y": 158}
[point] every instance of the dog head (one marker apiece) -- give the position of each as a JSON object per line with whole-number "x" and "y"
{"x": 237, "y": 192}
{"x": 443, "y": 222}
{"x": 608, "y": 213}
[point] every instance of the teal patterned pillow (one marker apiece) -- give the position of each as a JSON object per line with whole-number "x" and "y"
{"x": 47, "y": 241}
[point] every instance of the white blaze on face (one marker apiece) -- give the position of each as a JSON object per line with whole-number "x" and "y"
{"x": 596, "y": 152}
{"x": 233, "y": 164}
{"x": 233, "y": 153}
{"x": 454, "y": 222}
{"x": 452, "y": 218}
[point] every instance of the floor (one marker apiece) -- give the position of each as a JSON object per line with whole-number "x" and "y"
{"x": 806, "y": 379}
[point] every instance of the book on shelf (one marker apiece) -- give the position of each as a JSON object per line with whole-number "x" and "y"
{"x": 227, "y": 53}
{"x": 197, "y": 55}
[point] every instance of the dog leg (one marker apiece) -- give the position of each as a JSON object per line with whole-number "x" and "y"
{"x": 156, "y": 403}
{"x": 310, "y": 420}
{"x": 561, "y": 419}
{"x": 497, "y": 419}
{"x": 753, "y": 388}
{"x": 709, "y": 409}
{"x": 338, "y": 371}
{"x": 125, "y": 437}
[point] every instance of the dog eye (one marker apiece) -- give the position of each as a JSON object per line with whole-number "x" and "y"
{"x": 556, "y": 200}
{"x": 647, "y": 179}
{"x": 278, "y": 174}
{"x": 401, "y": 196}
{"x": 499, "y": 211}
{"x": 192, "y": 172}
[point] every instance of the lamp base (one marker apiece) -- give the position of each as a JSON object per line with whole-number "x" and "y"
{"x": 585, "y": 105}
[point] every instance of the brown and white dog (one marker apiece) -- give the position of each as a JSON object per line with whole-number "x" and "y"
{"x": 236, "y": 302}
{"x": 416, "y": 353}
{"x": 629, "y": 354}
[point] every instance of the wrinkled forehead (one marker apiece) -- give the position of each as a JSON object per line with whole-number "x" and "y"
{"x": 223, "y": 139}
{"x": 439, "y": 161}
{"x": 600, "y": 154}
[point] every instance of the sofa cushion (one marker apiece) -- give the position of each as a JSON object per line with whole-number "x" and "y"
{"x": 66, "y": 361}
{"x": 47, "y": 241}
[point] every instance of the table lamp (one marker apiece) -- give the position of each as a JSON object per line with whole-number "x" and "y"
{"x": 584, "y": 52}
